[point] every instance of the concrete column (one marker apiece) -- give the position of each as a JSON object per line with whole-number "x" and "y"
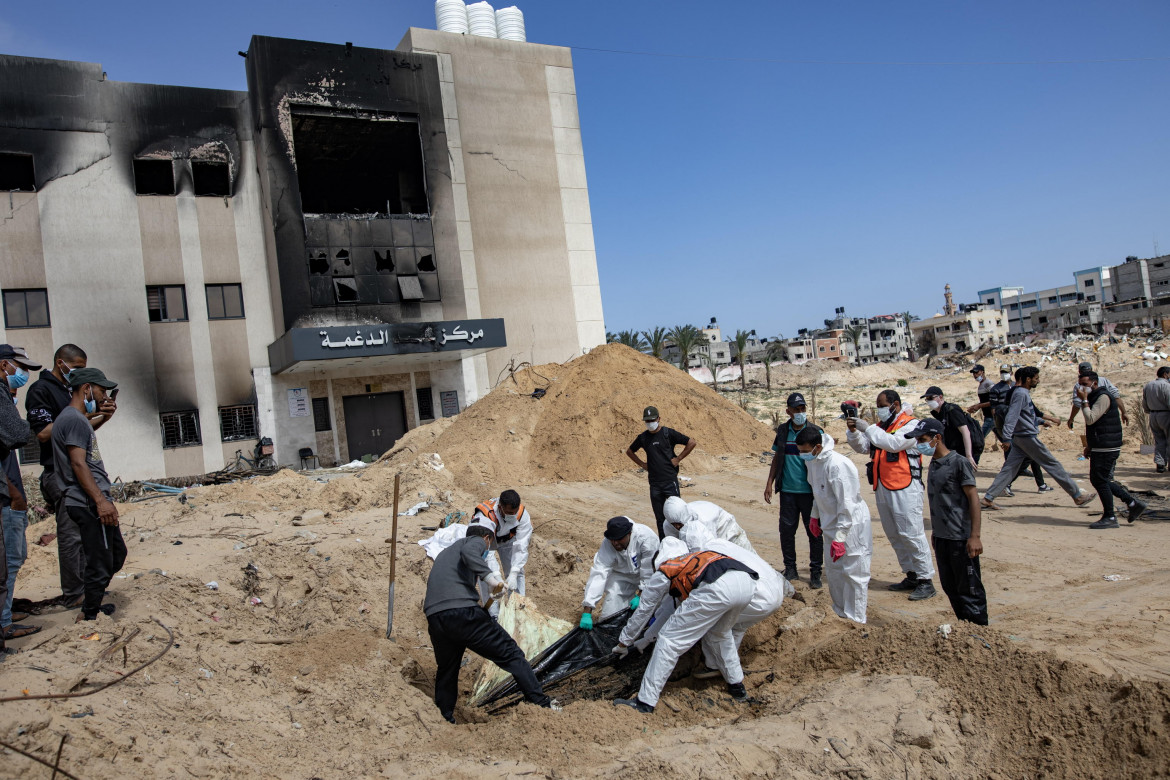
{"x": 414, "y": 400}
{"x": 333, "y": 422}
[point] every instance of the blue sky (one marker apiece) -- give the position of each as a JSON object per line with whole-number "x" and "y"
{"x": 768, "y": 193}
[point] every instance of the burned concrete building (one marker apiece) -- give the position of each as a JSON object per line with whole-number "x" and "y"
{"x": 358, "y": 244}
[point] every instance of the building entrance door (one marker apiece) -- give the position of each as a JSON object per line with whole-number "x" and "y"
{"x": 373, "y": 422}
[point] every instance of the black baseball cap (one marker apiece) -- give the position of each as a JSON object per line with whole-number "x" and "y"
{"x": 1084, "y": 368}
{"x": 796, "y": 399}
{"x": 932, "y": 390}
{"x": 977, "y": 367}
{"x": 618, "y": 528}
{"x": 90, "y": 376}
{"x": 650, "y": 413}
{"x": 19, "y": 356}
{"x": 927, "y": 427}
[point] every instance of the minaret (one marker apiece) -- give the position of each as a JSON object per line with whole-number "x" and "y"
{"x": 950, "y": 309}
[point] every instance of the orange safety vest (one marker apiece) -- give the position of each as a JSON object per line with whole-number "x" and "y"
{"x": 488, "y": 510}
{"x": 685, "y": 570}
{"x": 895, "y": 470}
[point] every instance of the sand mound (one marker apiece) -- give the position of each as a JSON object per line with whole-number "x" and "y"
{"x": 592, "y": 411}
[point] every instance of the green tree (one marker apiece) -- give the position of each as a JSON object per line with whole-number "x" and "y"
{"x": 632, "y": 339}
{"x": 709, "y": 360}
{"x": 655, "y": 340}
{"x": 685, "y": 337}
{"x": 855, "y": 332}
{"x": 768, "y": 360}
{"x": 610, "y": 337}
{"x": 907, "y": 318}
{"x": 741, "y": 340}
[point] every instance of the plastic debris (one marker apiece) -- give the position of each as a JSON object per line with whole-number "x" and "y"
{"x": 414, "y": 510}
{"x": 1115, "y": 578}
{"x": 207, "y": 673}
{"x": 944, "y": 630}
{"x": 95, "y": 636}
{"x": 255, "y": 601}
{"x": 213, "y": 585}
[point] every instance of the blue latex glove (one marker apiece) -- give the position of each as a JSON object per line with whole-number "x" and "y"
{"x": 635, "y": 601}
{"x": 586, "y": 621}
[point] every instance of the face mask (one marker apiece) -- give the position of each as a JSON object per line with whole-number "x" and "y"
{"x": 509, "y": 518}
{"x": 806, "y": 456}
{"x": 1006, "y": 377}
{"x": 90, "y": 404}
{"x": 19, "y": 379}
{"x": 652, "y": 426}
{"x": 925, "y": 449}
{"x": 933, "y": 404}
{"x": 884, "y": 413}
{"x": 800, "y": 418}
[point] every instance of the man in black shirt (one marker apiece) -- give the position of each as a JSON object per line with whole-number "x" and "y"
{"x": 46, "y": 399}
{"x": 956, "y": 434}
{"x": 661, "y": 462}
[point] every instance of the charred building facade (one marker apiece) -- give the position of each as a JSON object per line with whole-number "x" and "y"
{"x": 358, "y": 244}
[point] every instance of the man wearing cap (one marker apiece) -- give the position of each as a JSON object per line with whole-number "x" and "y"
{"x": 954, "y": 522}
{"x": 1084, "y": 369}
{"x": 955, "y": 428}
{"x": 999, "y": 399}
{"x": 623, "y": 563}
{"x": 14, "y": 433}
{"x": 85, "y": 485}
{"x": 788, "y": 475}
{"x": 46, "y": 399}
{"x": 983, "y": 390}
{"x": 661, "y": 462}
{"x": 13, "y": 501}
{"x": 1156, "y": 402}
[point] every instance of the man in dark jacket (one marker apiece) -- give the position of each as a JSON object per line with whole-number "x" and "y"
{"x": 956, "y": 431}
{"x": 789, "y": 477}
{"x": 456, "y": 621}
{"x": 1104, "y": 434}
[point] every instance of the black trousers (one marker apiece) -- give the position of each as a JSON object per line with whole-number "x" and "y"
{"x": 794, "y": 509}
{"x": 961, "y": 580}
{"x": 105, "y": 552}
{"x": 658, "y": 496}
{"x": 471, "y": 628}
{"x": 1101, "y": 465}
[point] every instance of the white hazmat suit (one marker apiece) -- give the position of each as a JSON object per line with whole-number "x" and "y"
{"x": 900, "y": 510}
{"x": 844, "y": 518}
{"x": 617, "y": 576}
{"x": 718, "y": 522}
{"x": 771, "y": 589}
{"x": 710, "y": 610}
{"x": 513, "y": 549}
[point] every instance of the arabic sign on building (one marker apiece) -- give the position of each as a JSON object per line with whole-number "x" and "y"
{"x": 450, "y": 402}
{"x": 298, "y": 402}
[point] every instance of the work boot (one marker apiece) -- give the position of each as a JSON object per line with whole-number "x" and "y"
{"x": 923, "y": 590}
{"x": 814, "y": 580}
{"x": 737, "y": 691}
{"x": 705, "y": 672}
{"x": 1160, "y": 468}
{"x": 1007, "y": 493}
{"x": 1136, "y": 510}
{"x": 1045, "y": 489}
{"x": 790, "y": 574}
{"x": 1104, "y": 522}
{"x": 910, "y": 583}
{"x": 449, "y": 718}
{"x": 636, "y": 704}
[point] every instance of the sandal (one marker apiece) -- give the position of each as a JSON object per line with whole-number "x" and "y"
{"x": 16, "y": 631}
{"x": 19, "y": 616}
{"x": 985, "y": 504}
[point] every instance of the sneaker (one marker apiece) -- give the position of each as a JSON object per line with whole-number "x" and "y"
{"x": 1136, "y": 510}
{"x": 636, "y": 704}
{"x": 1007, "y": 493}
{"x": 1104, "y": 522}
{"x": 1161, "y": 469}
{"x": 1084, "y": 498}
{"x": 705, "y": 673}
{"x": 790, "y": 574}
{"x": 1045, "y": 489}
{"x": 923, "y": 591}
{"x": 737, "y": 691}
{"x": 910, "y": 583}
{"x": 814, "y": 581}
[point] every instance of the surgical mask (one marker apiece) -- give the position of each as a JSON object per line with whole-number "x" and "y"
{"x": 652, "y": 426}
{"x": 509, "y": 518}
{"x": 933, "y": 404}
{"x": 884, "y": 413}
{"x": 806, "y": 456}
{"x": 19, "y": 379}
{"x": 66, "y": 370}
{"x": 800, "y": 418}
{"x": 1005, "y": 376}
{"x": 90, "y": 404}
{"x": 925, "y": 449}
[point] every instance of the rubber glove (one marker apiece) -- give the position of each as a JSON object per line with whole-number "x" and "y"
{"x": 814, "y": 526}
{"x": 621, "y": 651}
{"x": 836, "y": 551}
{"x": 862, "y": 424}
{"x": 513, "y": 580}
{"x": 586, "y": 621}
{"x": 635, "y": 601}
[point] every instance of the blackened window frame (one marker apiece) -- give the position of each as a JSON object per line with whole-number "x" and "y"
{"x": 191, "y": 416}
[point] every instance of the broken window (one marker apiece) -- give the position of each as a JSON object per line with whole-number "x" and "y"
{"x": 237, "y": 423}
{"x": 345, "y": 289}
{"x": 16, "y": 173}
{"x": 211, "y": 178}
{"x": 373, "y": 252}
{"x": 321, "y": 419}
{"x": 167, "y": 303}
{"x": 154, "y": 177}
{"x": 359, "y": 165}
{"x": 225, "y": 302}
{"x": 180, "y": 429}
{"x": 26, "y": 309}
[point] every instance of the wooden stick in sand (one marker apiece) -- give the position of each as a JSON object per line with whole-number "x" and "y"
{"x": 393, "y": 558}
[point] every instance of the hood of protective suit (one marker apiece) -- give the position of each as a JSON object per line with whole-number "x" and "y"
{"x": 677, "y": 511}
{"x": 827, "y": 445}
{"x": 670, "y": 548}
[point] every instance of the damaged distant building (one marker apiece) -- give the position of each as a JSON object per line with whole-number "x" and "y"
{"x": 361, "y": 242}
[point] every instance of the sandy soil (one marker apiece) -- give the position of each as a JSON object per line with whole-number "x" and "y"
{"x": 1070, "y": 679}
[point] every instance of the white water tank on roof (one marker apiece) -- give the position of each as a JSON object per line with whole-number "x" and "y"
{"x": 481, "y": 19}
{"x": 451, "y": 16}
{"x": 510, "y": 24}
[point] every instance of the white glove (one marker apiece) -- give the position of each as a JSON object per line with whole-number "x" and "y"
{"x": 495, "y": 585}
{"x": 620, "y": 650}
{"x": 861, "y": 424}
{"x": 513, "y": 576}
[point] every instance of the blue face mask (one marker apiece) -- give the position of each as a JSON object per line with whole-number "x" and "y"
{"x": 90, "y": 404}
{"x": 925, "y": 449}
{"x": 19, "y": 379}
{"x": 807, "y": 456}
{"x": 800, "y": 418}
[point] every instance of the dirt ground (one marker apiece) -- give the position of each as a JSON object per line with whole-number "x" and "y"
{"x": 1069, "y": 680}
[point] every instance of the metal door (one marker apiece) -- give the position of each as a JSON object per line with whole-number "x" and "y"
{"x": 373, "y": 422}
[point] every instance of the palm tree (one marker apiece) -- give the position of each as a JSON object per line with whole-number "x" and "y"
{"x": 610, "y": 337}
{"x": 768, "y": 359}
{"x": 907, "y": 318}
{"x": 632, "y": 339}
{"x": 709, "y": 360}
{"x": 741, "y": 340}
{"x": 854, "y": 332}
{"x": 685, "y": 337}
{"x": 655, "y": 340}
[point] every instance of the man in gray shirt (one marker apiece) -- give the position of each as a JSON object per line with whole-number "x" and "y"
{"x": 85, "y": 486}
{"x": 1020, "y": 428}
{"x": 1156, "y": 402}
{"x": 456, "y": 621}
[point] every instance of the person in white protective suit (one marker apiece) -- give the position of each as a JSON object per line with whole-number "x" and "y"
{"x": 895, "y": 473}
{"x": 621, "y": 567}
{"x": 843, "y": 518}
{"x": 512, "y": 526}
{"x": 683, "y": 519}
{"x": 714, "y": 589}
